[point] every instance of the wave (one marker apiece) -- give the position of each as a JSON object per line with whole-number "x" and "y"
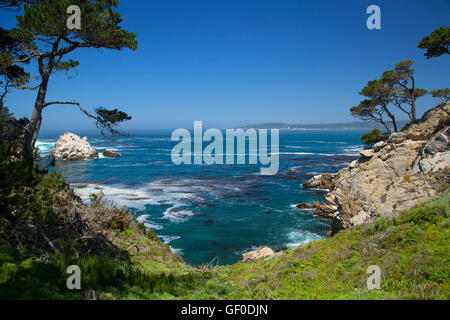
{"x": 168, "y": 239}
{"x": 300, "y": 237}
{"x": 45, "y": 146}
{"x": 149, "y": 224}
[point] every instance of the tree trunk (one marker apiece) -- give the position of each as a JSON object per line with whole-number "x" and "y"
{"x": 386, "y": 126}
{"x": 36, "y": 120}
{"x": 45, "y": 70}
{"x": 391, "y": 116}
{"x": 413, "y": 101}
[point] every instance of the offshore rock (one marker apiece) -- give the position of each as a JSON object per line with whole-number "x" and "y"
{"x": 111, "y": 154}
{"x": 71, "y": 147}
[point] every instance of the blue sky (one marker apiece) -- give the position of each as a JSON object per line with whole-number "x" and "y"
{"x": 235, "y": 62}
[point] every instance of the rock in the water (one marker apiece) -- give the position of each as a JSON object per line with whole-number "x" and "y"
{"x": 306, "y": 205}
{"x": 321, "y": 181}
{"x": 71, "y": 147}
{"x": 111, "y": 154}
{"x": 260, "y": 253}
{"x": 327, "y": 210}
{"x": 367, "y": 153}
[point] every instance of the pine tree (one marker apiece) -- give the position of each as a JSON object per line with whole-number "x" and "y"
{"x": 42, "y": 27}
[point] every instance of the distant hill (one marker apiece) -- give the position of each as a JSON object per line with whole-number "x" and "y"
{"x": 357, "y": 125}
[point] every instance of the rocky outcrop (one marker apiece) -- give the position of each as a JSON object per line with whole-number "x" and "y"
{"x": 111, "y": 154}
{"x": 71, "y": 147}
{"x": 394, "y": 175}
{"x": 327, "y": 210}
{"x": 260, "y": 253}
{"x": 435, "y": 155}
{"x": 321, "y": 181}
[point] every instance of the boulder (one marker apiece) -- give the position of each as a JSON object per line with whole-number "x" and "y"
{"x": 71, "y": 147}
{"x": 111, "y": 154}
{"x": 306, "y": 205}
{"x": 437, "y": 144}
{"x": 379, "y": 145}
{"x": 353, "y": 164}
{"x": 435, "y": 155}
{"x": 260, "y": 253}
{"x": 367, "y": 153}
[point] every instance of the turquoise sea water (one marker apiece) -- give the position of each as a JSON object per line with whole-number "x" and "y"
{"x": 209, "y": 211}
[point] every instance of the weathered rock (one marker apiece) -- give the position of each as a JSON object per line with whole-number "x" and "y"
{"x": 327, "y": 210}
{"x": 437, "y": 144}
{"x": 111, "y": 154}
{"x": 330, "y": 199}
{"x": 396, "y": 138}
{"x": 260, "y": 253}
{"x": 321, "y": 181}
{"x": 367, "y": 153}
{"x": 353, "y": 164}
{"x": 71, "y": 147}
{"x": 306, "y": 205}
{"x": 393, "y": 176}
{"x": 433, "y": 163}
{"x": 379, "y": 145}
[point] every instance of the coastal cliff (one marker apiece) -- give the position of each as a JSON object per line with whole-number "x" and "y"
{"x": 392, "y": 176}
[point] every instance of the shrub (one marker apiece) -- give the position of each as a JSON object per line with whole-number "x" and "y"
{"x": 373, "y": 137}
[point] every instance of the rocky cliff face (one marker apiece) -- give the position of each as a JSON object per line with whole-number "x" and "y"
{"x": 393, "y": 175}
{"x": 71, "y": 147}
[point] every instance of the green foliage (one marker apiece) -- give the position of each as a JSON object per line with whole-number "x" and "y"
{"x": 41, "y": 34}
{"x": 373, "y": 108}
{"x": 26, "y": 189}
{"x": 436, "y": 44}
{"x": 443, "y": 94}
{"x": 401, "y": 84}
{"x": 11, "y": 130}
{"x": 373, "y": 137}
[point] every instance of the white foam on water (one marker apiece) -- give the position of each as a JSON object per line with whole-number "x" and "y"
{"x": 300, "y": 237}
{"x": 133, "y": 198}
{"x": 168, "y": 239}
{"x": 45, "y": 146}
{"x": 173, "y": 193}
{"x": 175, "y": 214}
{"x": 149, "y": 224}
{"x": 354, "y": 150}
{"x": 177, "y": 251}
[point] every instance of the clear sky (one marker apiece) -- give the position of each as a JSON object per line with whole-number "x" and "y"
{"x": 236, "y": 62}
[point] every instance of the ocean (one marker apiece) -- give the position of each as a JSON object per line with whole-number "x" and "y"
{"x": 213, "y": 212}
